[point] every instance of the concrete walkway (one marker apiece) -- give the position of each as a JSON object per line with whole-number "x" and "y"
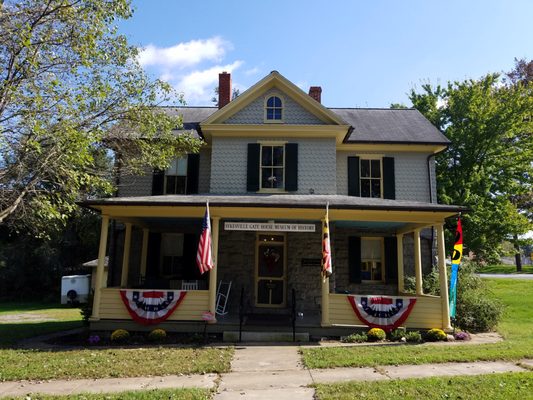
{"x": 260, "y": 372}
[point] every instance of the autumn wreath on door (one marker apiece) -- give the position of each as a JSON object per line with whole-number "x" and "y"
{"x": 384, "y": 312}
{"x": 149, "y": 307}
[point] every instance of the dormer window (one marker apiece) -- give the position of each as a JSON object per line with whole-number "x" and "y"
{"x": 274, "y": 109}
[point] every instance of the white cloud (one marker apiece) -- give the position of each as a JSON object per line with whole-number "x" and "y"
{"x": 251, "y": 71}
{"x": 183, "y": 55}
{"x": 197, "y": 86}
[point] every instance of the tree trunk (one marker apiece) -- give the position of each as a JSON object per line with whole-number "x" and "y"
{"x": 517, "y": 257}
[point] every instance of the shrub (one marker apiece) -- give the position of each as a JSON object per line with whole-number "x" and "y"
{"x": 397, "y": 335}
{"x": 157, "y": 335}
{"x": 462, "y": 336}
{"x": 355, "y": 338}
{"x": 436, "y": 335}
{"x": 413, "y": 337}
{"x": 120, "y": 336}
{"x": 476, "y": 309}
{"x": 376, "y": 335}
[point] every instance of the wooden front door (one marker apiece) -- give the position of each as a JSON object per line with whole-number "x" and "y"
{"x": 270, "y": 288}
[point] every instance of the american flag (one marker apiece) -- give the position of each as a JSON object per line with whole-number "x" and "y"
{"x": 203, "y": 256}
{"x": 327, "y": 268}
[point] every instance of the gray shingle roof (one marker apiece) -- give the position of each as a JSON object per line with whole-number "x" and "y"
{"x": 389, "y": 126}
{"x": 265, "y": 200}
{"x": 370, "y": 125}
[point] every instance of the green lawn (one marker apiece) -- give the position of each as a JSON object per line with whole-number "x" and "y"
{"x": 495, "y": 386}
{"x": 33, "y": 319}
{"x": 23, "y": 320}
{"x": 505, "y": 269}
{"x": 167, "y": 394}
{"x": 516, "y": 327}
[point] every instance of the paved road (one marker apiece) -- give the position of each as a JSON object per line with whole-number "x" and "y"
{"x": 508, "y": 276}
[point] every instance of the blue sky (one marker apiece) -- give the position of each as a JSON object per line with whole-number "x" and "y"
{"x": 362, "y": 53}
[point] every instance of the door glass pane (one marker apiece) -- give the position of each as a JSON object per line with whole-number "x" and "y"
{"x": 270, "y": 261}
{"x": 276, "y": 288}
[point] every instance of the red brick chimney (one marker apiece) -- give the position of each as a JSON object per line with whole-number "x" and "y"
{"x": 316, "y": 93}
{"x": 224, "y": 89}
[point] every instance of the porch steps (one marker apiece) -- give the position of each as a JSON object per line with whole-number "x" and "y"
{"x": 262, "y": 336}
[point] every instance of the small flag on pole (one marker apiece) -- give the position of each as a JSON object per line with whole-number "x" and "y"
{"x": 204, "y": 258}
{"x": 456, "y": 260}
{"x": 327, "y": 268}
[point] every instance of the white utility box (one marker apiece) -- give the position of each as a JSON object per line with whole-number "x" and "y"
{"x": 75, "y": 288}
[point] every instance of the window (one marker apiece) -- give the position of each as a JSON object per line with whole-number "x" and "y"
{"x": 372, "y": 259}
{"x": 176, "y": 177}
{"x": 272, "y": 167}
{"x": 274, "y": 109}
{"x": 171, "y": 254}
{"x": 370, "y": 179}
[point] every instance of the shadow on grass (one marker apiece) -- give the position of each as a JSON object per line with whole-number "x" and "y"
{"x": 11, "y": 334}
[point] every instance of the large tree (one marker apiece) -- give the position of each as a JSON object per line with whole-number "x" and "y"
{"x": 71, "y": 89}
{"x": 488, "y": 165}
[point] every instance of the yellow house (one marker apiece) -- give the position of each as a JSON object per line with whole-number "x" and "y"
{"x": 274, "y": 159}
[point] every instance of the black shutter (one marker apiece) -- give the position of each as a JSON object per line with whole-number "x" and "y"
{"x": 158, "y": 182}
{"x": 291, "y": 167}
{"x": 252, "y": 177}
{"x": 353, "y": 176}
{"x": 193, "y": 165}
{"x": 190, "y": 248}
{"x": 354, "y": 259}
{"x": 389, "y": 188}
{"x": 152, "y": 257}
{"x": 391, "y": 260}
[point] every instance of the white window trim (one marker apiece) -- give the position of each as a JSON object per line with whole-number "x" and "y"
{"x": 274, "y": 121}
{"x": 186, "y": 157}
{"x": 371, "y": 157}
{"x": 271, "y": 190}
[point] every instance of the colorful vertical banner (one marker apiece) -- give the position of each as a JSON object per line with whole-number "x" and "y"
{"x": 327, "y": 268}
{"x": 456, "y": 260}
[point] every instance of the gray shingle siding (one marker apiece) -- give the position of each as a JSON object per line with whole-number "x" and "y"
{"x": 411, "y": 177}
{"x": 204, "y": 174}
{"x": 293, "y": 113}
{"x": 135, "y": 185}
{"x": 316, "y": 165}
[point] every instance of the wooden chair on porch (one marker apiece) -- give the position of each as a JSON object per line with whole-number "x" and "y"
{"x": 222, "y": 297}
{"x": 189, "y": 285}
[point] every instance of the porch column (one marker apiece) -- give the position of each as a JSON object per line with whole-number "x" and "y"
{"x": 100, "y": 268}
{"x": 443, "y": 278}
{"x": 126, "y": 256}
{"x": 401, "y": 277}
{"x": 213, "y": 272}
{"x": 418, "y": 263}
{"x": 144, "y": 253}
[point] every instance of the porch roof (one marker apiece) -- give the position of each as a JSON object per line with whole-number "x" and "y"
{"x": 338, "y": 202}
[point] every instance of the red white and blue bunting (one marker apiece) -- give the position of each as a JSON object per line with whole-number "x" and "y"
{"x": 384, "y": 312}
{"x": 149, "y": 307}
